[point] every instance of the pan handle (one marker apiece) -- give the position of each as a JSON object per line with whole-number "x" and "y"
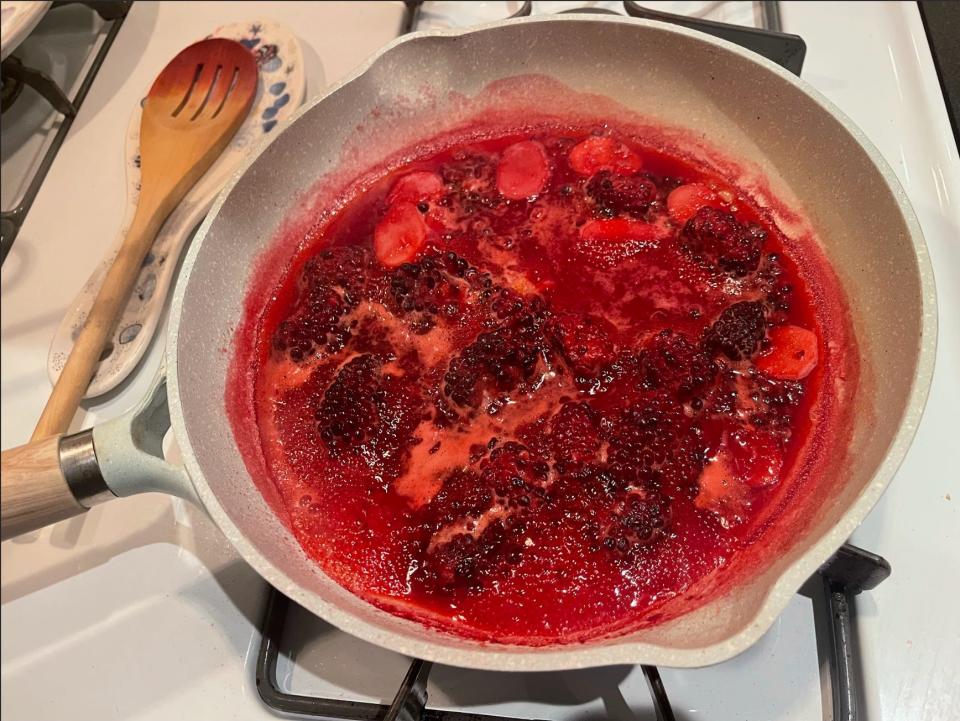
{"x": 130, "y": 449}
{"x": 55, "y": 478}
{"x": 34, "y": 489}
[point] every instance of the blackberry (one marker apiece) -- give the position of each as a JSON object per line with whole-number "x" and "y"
{"x": 738, "y": 332}
{"x": 672, "y": 362}
{"x": 500, "y": 360}
{"x": 715, "y": 238}
{"x": 615, "y": 194}
{"x": 574, "y": 435}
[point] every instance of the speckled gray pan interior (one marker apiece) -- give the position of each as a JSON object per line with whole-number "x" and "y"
{"x": 810, "y": 152}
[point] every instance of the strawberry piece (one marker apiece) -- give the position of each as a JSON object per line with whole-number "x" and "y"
{"x": 605, "y": 243}
{"x": 756, "y": 456}
{"x": 718, "y": 483}
{"x": 522, "y": 171}
{"x": 684, "y": 202}
{"x": 618, "y": 230}
{"x": 436, "y": 218}
{"x": 793, "y": 353}
{"x": 746, "y": 458}
{"x": 416, "y": 187}
{"x": 400, "y": 235}
{"x": 598, "y": 153}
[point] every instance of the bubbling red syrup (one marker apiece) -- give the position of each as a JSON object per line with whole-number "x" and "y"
{"x": 530, "y": 388}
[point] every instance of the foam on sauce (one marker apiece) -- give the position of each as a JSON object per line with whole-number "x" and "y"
{"x": 531, "y": 432}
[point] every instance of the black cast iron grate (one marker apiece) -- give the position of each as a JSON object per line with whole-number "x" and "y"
{"x": 831, "y": 589}
{"x": 17, "y": 77}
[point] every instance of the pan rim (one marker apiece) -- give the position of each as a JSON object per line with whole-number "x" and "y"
{"x": 608, "y": 651}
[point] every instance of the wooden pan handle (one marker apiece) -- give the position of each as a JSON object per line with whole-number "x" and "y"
{"x": 33, "y": 490}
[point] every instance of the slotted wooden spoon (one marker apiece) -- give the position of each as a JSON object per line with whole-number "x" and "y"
{"x": 192, "y": 110}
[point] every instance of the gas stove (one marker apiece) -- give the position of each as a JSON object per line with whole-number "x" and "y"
{"x": 45, "y": 81}
{"x": 140, "y": 610}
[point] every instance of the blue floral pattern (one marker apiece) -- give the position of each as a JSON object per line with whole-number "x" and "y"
{"x": 130, "y": 332}
{"x": 269, "y": 113}
{"x": 281, "y": 88}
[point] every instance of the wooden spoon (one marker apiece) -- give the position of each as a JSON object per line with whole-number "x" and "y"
{"x": 192, "y": 110}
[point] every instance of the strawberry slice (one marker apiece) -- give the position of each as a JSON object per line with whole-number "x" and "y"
{"x": 416, "y": 187}
{"x": 618, "y": 230}
{"x": 400, "y": 235}
{"x": 436, "y": 218}
{"x": 685, "y": 201}
{"x": 744, "y": 459}
{"x": 605, "y": 243}
{"x": 598, "y": 153}
{"x": 756, "y": 456}
{"x": 719, "y": 488}
{"x": 793, "y": 353}
{"x": 522, "y": 171}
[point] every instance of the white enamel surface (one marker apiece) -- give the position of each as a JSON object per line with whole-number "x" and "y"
{"x": 80, "y": 596}
{"x": 283, "y": 78}
{"x": 909, "y": 628}
{"x": 175, "y": 636}
{"x": 17, "y": 19}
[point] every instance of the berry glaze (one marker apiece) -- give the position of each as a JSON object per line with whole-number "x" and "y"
{"x": 535, "y": 386}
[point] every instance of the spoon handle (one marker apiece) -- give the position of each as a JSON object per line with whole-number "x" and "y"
{"x": 283, "y": 85}
{"x": 180, "y": 138}
{"x": 109, "y": 303}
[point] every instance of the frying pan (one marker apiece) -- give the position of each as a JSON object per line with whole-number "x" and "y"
{"x": 782, "y": 133}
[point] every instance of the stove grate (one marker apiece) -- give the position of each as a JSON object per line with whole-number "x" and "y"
{"x": 16, "y": 76}
{"x": 832, "y": 589}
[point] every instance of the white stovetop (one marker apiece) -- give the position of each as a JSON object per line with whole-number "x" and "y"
{"x": 141, "y": 611}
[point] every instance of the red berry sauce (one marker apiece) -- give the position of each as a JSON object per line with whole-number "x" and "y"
{"x": 512, "y": 389}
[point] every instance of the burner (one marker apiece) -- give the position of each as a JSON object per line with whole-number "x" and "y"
{"x": 769, "y": 41}
{"x": 11, "y": 87}
{"x": 782, "y": 48}
{"x": 16, "y": 75}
